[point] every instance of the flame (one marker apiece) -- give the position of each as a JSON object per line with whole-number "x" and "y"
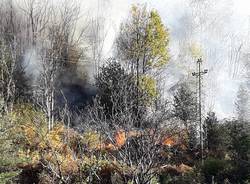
{"x": 120, "y": 138}
{"x": 169, "y": 141}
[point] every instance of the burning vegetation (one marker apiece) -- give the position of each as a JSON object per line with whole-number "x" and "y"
{"x": 69, "y": 116}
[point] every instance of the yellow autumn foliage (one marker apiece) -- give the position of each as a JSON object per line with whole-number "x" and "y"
{"x": 65, "y": 162}
{"x": 29, "y": 133}
{"x": 36, "y": 143}
{"x": 54, "y": 137}
{"x": 92, "y": 139}
{"x": 31, "y": 158}
{"x": 57, "y": 147}
{"x": 158, "y": 40}
{"x": 99, "y": 164}
{"x": 144, "y": 38}
{"x": 147, "y": 85}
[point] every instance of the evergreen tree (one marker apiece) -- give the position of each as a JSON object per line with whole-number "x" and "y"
{"x": 185, "y": 109}
{"x": 239, "y": 147}
{"x": 185, "y": 104}
{"x": 212, "y": 137}
{"x": 116, "y": 89}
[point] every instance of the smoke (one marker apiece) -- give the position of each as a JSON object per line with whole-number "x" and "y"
{"x": 74, "y": 79}
{"x": 72, "y": 84}
{"x": 31, "y": 64}
{"x": 75, "y": 87}
{"x": 222, "y": 38}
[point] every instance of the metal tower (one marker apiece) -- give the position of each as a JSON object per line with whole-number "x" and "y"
{"x": 199, "y": 74}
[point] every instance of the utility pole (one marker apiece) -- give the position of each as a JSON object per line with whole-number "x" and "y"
{"x": 199, "y": 75}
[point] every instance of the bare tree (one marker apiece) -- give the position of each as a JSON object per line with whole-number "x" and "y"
{"x": 137, "y": 153}
{"x": 10, "y": 55}
{"x": 59, "y": 50}
{"x": 38, "y": 15}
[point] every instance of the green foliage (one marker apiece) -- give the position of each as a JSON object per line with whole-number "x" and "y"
{"x": 229, "y": 143}
{"x": 92, "y": 139}
{"x": 240, "y": 140}
{"x": 216, "y": 168}
{"x": 239, "y": 149}
{"x": 8, "y": 152}
{"x": 191, "y": 177}
{"x": 216, "y": 136}
{"x": 60, "y": 155}
{"x": 28, "y": 143}
{"x": 184, "y": 108}
{"x": 184, "y": 104}
{"x": 154, "y": 180}
{"x": 17, "y": 135}
{"x": 7, "y": 177}
{"x": 211, "y": 125}
{"x": 29, "y": 125}
{"x": 116, "y": 90}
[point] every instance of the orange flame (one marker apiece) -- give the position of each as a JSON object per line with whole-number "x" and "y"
{"x": 120, "y": 138}
{"x": 168, "y": 141}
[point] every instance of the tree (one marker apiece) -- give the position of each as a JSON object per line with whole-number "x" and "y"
{"x": 213, "y": 133}
{"x": 184, "y": 108}
{"x": 142, "y": 44}
{"x": 240, "y": 140}
{"x": 184, "y": 104}
{"x": 7, "y": 82}
{"x": 116, "y": 90}
{"x": 13, "y": 82}
{"x": 58, "y": 55}
{"x": 112, "y": 79}
{"x": 143, "y": 40}
{"x": 239, "y": 149}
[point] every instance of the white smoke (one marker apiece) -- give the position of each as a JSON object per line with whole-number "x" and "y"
{"x": 32, "y": 64}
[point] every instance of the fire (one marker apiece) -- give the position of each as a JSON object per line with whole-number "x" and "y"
{"x": 169, "y": 141}
{"x": 178, "y": 139}
{"x": 120, "y": 138}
